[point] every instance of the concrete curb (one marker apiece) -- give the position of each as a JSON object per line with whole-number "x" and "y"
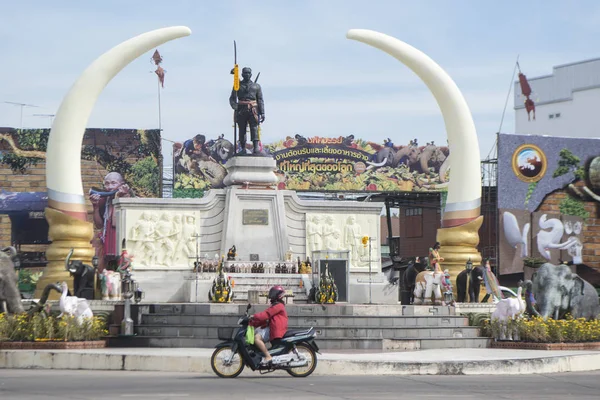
{"x": 64, "y": 359}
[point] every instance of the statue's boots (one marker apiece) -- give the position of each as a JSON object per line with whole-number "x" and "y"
{"x": 257, "y": 151}
{"x": 242, "y": 149}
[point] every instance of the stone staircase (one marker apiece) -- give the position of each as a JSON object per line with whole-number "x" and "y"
{"x": 339, "y": 326}
{"x": 292, "y": 283}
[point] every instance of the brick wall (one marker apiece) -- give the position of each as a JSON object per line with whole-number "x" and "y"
{"x": 591, "y": 229}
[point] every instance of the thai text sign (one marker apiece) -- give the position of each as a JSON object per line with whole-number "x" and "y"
{"x": 321, "y": 164}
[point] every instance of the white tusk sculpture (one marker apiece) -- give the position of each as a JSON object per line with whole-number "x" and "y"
{"x": 513, "y": 234}
{"x": 464, "y": 191}
{"x": 66, "y": 211}
{"x": 63, "y": 155}
{"x": 461, "y": 219}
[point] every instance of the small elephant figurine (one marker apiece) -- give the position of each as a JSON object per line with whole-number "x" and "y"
{"x": 407, "y": 281}
{"x": 469, "y": 280}
{"x": 428, "y": 284}
{"x": 83, "y": 277}
{"x": 111, "y": 285}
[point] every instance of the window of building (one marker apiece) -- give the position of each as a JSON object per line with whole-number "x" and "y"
{"x": 410, "y": 212}
{"x": 414, "y": 222}
{"x": 557, "y": 115}
{"x": 551, "y": 116}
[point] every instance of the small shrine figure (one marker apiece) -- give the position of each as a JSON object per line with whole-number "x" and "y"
{"x": 124, "y": 261}
{"x": 221, "y": 290}
{"x": 435, "y": 258}
{"x": 261, "y": 268}
{"x": 254, "y": 268}
{"x": 288, "y": 255}
{"x": 293, "y": 268}
{"x": 231, "y": 254}
{"x": 278, "y": 269}
{"x": 448, "y": 297}
{"x": 305, "y": 268}
{"x": 327, "y": 292}
{"x": 284, "y": 269}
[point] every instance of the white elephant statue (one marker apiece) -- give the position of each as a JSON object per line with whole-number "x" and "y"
{"x": 111, "y": 285}
{"x": 508, "y": 309}
{"x": 427, "y": 284}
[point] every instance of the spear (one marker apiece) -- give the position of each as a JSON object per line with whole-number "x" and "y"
{"x": 236, "y": 87}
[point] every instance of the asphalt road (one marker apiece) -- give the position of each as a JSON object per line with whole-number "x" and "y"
{"x": 63, "y": 384}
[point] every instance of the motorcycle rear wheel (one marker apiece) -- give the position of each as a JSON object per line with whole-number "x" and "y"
{"x": 217, "y": 363}
{"x": 303, "y": 372}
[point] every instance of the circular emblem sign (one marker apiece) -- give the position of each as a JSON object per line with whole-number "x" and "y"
{"x": 360, "y": 167}
{"x": 529, "y": 163}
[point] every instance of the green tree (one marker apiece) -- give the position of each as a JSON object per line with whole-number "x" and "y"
{"x": 569, "y": 163}
{"x": 144, "y": 177}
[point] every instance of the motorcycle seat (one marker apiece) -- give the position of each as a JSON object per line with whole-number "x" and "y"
{"x": 296, "y": 332}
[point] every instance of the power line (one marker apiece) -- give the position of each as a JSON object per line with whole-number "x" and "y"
{"x": 22, "y": 105}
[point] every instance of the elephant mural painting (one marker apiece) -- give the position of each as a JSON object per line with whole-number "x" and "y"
{"x": 428, "y": 283}
{"x": 9, "y": 289}
{"x": 550, "y": 239}
{"x": 469, "y": 280}
{"x": 558, "y": 291}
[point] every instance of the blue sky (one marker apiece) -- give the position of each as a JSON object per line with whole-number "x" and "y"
{"x": 315, "y": 81}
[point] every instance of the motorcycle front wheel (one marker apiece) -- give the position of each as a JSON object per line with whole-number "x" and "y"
{"x": 224, "y": 365}
{"x": 302, "y": 372}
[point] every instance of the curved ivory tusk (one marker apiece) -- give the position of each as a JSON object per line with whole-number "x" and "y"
{"x": 374, "y": 164}
{"x": 63, "y": 155}
{"x": 464, "y": 193}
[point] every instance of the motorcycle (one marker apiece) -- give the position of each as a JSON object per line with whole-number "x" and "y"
{"x": 295, "y": 353}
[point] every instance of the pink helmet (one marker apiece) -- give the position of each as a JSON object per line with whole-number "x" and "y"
{"x": 276, "y": 293}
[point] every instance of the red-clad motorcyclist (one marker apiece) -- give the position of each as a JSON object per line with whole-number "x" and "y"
{"x": 272, "y": 323}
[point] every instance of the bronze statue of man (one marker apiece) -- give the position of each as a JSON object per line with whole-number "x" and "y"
{"x": 249, "y": 109}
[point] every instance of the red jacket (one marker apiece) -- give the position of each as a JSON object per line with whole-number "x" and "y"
{"x": 274, "y": 316}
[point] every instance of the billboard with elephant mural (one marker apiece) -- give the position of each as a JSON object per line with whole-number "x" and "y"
{"x": 529, "y": 169}
{"x": 319, "y": 164}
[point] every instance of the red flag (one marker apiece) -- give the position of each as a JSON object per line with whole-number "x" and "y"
{"x": 156, "y": 57}
{"x": 160, "y": 72}
{"x": 526, "y": 90}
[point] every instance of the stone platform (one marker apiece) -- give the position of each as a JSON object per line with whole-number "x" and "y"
{"x": 339, "y": 326}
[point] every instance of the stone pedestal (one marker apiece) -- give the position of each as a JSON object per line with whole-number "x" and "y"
{"x": 458, "y": 245}
{"x": 66, "y": 233}
{"x": 165, "y": 235}
{"x": 251, "y": 171}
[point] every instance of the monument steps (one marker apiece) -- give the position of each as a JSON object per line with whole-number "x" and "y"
{"x": 333, "y": 332}
{"x": 339, "y": 326}
{"x": 348, "y": 320}
{"x": 292, "y": 283}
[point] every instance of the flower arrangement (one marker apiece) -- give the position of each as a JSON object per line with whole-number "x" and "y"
{"x": 41, "y": 328}
{"x": 365, "y": 241}
{"x": 327, "y": 291}
{"x": 538, "y": 330}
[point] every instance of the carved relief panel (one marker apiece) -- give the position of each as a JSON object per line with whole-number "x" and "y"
{"x": 162, "y": 238}
{"x": 342, "y": 232}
